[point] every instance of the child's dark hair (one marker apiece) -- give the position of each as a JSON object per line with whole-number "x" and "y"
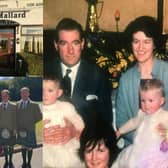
{"x": 95, "y": 132}
{"x": 55, "y": 78}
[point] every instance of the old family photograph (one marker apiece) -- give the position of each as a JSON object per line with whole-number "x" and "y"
{"x": 83, "y": 84}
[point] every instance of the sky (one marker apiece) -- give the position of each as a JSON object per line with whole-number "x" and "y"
{"x": 5, "y": 78}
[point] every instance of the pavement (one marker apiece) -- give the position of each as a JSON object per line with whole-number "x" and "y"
{"x": 17, "y": 159}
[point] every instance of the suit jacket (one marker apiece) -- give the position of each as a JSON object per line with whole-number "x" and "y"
{"x": 8, "y": 116}
{"x": 27, "y": 117}
{"x": 90, "y": 82}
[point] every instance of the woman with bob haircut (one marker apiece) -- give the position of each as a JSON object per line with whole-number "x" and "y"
{"x": 98, "y": 147}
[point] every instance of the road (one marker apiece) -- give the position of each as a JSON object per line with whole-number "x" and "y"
{"x": 17, "y": 159}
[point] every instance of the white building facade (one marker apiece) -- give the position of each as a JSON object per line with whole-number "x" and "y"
{"x": 29, "y": 16}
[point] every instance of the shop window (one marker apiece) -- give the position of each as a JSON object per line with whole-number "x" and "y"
{"x": 32, "y": 39}
{"x": 39, "y": 4}
{"x": 6, "y": 41}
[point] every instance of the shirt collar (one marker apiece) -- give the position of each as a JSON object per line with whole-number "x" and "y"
{"x": 26, "y": 101}
{"x": 73, "y": 68}
{"x": 5, "y": 102}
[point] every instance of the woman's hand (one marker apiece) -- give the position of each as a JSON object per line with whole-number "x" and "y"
{"x": 118, "y": 134}
{"x": 57, "y": 134}
{"x": 163, "y": 132}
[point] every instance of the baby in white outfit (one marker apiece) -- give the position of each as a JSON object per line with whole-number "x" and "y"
{"x": 54, "y": 111}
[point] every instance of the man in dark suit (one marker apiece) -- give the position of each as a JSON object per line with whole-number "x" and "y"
{"x": 89, "y": 84}
{"x": 7, "y": 127}
{"x": 28, "y": 114}
{"x": 90, "y": 87}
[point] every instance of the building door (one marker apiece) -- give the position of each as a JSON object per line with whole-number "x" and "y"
{"x": 7, "y": 47}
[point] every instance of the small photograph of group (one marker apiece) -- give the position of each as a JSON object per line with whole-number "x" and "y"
{"x": 20, "y": 122}
{"x": 21, "y": 37}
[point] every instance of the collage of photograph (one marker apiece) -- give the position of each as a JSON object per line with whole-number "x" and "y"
{"x": 21, "y": 72}
{"x": 83, "y": 84}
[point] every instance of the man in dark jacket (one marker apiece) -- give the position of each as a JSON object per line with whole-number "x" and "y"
{"x": 89, "y": 87}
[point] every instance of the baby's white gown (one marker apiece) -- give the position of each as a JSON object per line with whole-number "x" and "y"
{"x": 145, "y": 151}
{"x": 62, "y": 156}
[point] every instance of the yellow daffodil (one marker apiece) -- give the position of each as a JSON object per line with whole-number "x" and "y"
{"x": 115, "y": 65}
{"x": 102, "y": 64}
{"x": 118, "y": 67}
{"x": 101, "y": 59}
{"x": 114, "y": 85}
{"x": 131, "y": 58}
{"x": 119, "y": 54}
{"x": 111, "y": 70}
{"x": 123, "y": 63}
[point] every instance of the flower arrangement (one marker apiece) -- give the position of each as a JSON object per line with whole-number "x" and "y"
{"x": 115, "y": 65}
{"x": 113, "y": 62}
{"x": 118, "y": 63}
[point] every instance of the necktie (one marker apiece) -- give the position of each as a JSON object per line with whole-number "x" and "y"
{"x": 67, "y": 83}
{"x": 23, "y": 104}
{"x": 4, "y": 106}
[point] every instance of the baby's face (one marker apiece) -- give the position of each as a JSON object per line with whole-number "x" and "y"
{"x": 151, "y": 101}
{"x": 50, "y": 92}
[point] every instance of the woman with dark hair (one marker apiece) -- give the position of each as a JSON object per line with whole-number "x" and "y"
{"x": 149, "y": 26}
{"x": 98, "y": 147}
{"x": 144, "y": 40}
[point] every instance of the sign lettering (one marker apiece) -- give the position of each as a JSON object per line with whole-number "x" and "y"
{"x": 13, "y": 14}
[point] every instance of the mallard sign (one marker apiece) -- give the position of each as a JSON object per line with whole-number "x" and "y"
{"x": 13, "y": 14}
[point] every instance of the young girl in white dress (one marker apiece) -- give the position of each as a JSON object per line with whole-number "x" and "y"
{"x": 55, "y": 111}
{"x": 149, "y": 149}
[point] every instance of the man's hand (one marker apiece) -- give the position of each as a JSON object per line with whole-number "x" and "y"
{"x": 57, "y": 134}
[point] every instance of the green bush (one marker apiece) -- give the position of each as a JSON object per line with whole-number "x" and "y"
{"x": 35, "y": 63}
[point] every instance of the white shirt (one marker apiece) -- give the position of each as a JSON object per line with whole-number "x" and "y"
{"x": 4, "y": 104}
{"x": 24, "y": 103}
{"x": 72, "y": 75}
